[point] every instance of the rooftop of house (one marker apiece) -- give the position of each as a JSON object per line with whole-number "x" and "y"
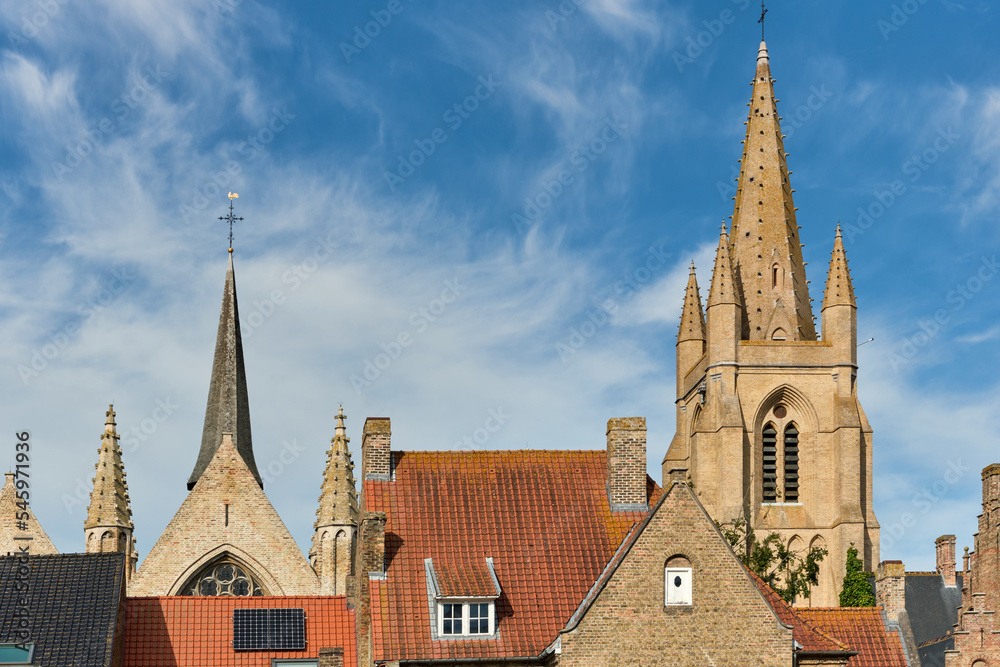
{"x": 863, "y": 629}
{"x": 542, "y": 516}
{"x": 170, "y": 631}
{"x": 74, "y": 605}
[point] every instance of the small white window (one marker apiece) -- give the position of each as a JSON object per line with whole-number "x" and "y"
{"x": 678, "y": 586}
{"x": 465, "y": 618}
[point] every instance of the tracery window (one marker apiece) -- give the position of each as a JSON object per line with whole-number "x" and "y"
{"x": 223, "y": 579}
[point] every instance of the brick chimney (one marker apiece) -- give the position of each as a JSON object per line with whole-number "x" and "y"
{"x": 373, "y": 543}
{"x": 375, "y": 443}
{"x": 626, "y": 484}
{"x": 890, "y": 588}
{"x": 331, "y": 657}
{"x": 946, "y": 558}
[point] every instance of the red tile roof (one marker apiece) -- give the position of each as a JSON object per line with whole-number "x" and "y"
{"x": 862, "y": 629}
{"x": 172, "y": 631}
{"x": 544, "y": 518}
{"x": 807, "y": 634}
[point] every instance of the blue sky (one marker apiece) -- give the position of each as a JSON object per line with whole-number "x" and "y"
{"x": 376, "y": 210}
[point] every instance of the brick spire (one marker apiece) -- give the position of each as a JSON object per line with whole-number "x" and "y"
{"x": 228, "y": 409}
{"x": 109, "y": 527}
{"x": 338, "y": 500}
{"x": 767, "y": 255}
{"x": 109, "y": 501}
{"x": 724, "y": 288}
{"x": 336, "y": 518}
{"x": 839, "y": 290}
{"x": 692, "y": 317}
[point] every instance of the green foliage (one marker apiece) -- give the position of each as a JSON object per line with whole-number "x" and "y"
{"x": 791, "y": 574}
{"x": 857, "y": 592}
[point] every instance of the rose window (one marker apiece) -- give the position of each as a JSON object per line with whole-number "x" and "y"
{"x": 223, "y": 579}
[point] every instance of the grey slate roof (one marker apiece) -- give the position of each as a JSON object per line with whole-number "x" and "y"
{"x": 228, "y": 409}
{"x": 933, "y": 611}
{"x": 75, "y": 604}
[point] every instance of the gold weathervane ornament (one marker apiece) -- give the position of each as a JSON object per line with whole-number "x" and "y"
{"x": 231, "y": 218}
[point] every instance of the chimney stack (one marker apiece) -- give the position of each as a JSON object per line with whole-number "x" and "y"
{"x": 375, "y": 456}
{"x": 626, "y": 483}
{"x": 890, "y": 588}
{"x": 946, "y": 558}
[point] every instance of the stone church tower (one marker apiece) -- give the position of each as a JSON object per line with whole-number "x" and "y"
{"x": 768, "y": 421}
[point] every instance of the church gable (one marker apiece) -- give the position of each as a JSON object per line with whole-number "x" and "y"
{"x": 226, "y": 520}
{"x": 675, "y": 589}
{"x": 18, "y": 525}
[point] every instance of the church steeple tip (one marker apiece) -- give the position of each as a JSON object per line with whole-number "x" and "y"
{"x": 228, "y": 408}
{"x": 109, "y": 526}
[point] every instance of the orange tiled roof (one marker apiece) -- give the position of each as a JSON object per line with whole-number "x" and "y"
{"x": 170, "y": 631}
{"x": 863, "y": 630}
{"x": 544, "y": 518}
{"x": 808, "y": 635}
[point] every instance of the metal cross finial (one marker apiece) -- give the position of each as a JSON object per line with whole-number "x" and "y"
{"x": 231, "y": 218}
{"x": 761, "y": 19}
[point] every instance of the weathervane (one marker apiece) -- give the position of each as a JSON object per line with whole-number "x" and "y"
{"x": 761, "y": 19}
{"x": 231, "y": 218}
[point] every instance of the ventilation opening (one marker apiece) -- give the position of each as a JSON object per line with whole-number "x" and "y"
{"x": 779, "y": 334}
{"x": 770, "y": 464}
{"x": 791, "y": 464}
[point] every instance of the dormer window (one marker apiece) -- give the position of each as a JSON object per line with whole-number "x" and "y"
{"x": 462, "y": 598}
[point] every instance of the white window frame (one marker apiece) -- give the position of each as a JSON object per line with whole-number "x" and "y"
{"x": 464, "y": 603}
{"x": 668, "y": 576}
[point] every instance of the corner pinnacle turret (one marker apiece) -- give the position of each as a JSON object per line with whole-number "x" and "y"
{"x": 724, "y": 288}
{"x": 839, "y": 290}
{"x": 692, "y": 317}
{"x": 338, "y": 500}
{"x": 766, "y": 253}
{"x": 109, "y": 501}
{"x": 228, "y": 409}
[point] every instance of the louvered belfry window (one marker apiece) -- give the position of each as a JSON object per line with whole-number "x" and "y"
{"x": 770, "y": 463}
{"x": 791, "y": 464}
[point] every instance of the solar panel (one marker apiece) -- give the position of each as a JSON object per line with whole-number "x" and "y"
{"x": 269, "y": 629}
{"x": 286, "y": 629}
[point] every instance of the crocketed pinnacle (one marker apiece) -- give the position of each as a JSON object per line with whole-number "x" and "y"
{"x": 338, "y": 499}
{"x": 109, "y": 501}
{"x": 228, "y": 409}
{"x": 839, "y": 290}
{"x": 766, "y": 251}
{"x": 724, "y": 288}
{"x": 692, "y": 317}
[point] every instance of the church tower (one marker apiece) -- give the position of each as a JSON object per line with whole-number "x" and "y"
{"x": 226, "y": 539}
{"x": 336, "y": 528}
{"x": 109, "y": 526}
{"x": 769, "y": 425}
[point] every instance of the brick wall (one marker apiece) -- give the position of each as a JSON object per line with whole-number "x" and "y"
{"x": 331, "y": 657}
{"x": 729, "y": 622}
{"x": 626, "y": 462}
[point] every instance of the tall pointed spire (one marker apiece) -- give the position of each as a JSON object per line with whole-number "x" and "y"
{"x": 108, "y": 526}
{"x": 839, "y": 290}
{"x": 228, "y": 409}
{"x": 767, "y": 255}
{"x": 692, "y": 317}
{"x": 337, "y": 516}
{"x": 724, "y": 288}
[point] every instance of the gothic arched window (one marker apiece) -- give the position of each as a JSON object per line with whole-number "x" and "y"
{"x": 223, "y": 578}
{"x": 769, "y": 468}
{"x": 791, "y": 464}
